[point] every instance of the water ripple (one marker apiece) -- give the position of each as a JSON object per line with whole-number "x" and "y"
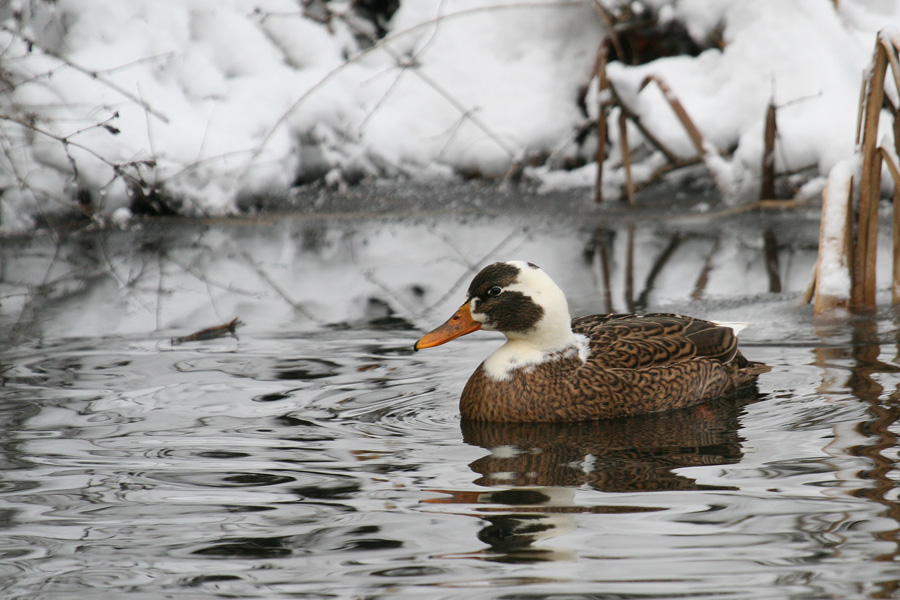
{"x": 261, "y": 470}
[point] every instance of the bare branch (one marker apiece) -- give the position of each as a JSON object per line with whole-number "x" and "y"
{"x": 95, "y": 75}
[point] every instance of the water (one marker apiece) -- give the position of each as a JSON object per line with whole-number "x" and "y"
{"x": 317, "y": 456}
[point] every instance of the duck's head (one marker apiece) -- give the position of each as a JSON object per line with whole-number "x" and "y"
{"x": 515, "y": 298}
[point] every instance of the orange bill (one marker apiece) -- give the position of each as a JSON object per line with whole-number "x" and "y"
{"x": 458, "y": 325}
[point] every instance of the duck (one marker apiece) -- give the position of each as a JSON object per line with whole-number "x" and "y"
{"x": 605, "y": 366}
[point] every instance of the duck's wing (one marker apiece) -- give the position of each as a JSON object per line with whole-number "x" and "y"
{"x": 640, "y": 341}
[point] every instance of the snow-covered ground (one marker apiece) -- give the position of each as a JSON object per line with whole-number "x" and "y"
{"x": 202, "y": 103}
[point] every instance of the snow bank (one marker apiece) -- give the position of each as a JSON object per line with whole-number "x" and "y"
{"x": 804, "y": 56}
{"x": 197, "y": 104}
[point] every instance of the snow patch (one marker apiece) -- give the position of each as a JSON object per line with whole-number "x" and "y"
{"x": 215, "y": 100}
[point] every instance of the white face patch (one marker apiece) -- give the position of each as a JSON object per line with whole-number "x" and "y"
{"x": 554, "y": 329}
{"x": 551, "y": 338}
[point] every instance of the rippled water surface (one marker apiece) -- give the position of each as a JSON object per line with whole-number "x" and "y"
{"x": 317, "y": 456}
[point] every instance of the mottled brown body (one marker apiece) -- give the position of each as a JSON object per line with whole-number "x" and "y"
{"x": 637, "y": 364}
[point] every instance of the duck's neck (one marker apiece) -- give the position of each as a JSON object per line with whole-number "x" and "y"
{"x": 542, "y": 345}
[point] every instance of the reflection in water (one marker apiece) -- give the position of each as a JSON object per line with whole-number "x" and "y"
{"x": 302, "y": 459}
{"x": 518, "y": 517}
{"x": 622, "y": 455}
{"x": 625, "y": 455}
{"x": 387, "y": 273}
{"x": 600, "y": 248}
{"x": 880, "y": 450}
{"x": 705, "y": 248}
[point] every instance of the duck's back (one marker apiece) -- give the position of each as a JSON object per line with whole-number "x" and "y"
{"x": 637, "y": 364}
{"x": 639, "y": 341}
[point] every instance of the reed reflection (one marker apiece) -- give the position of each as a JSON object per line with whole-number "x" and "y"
{"x": 881, "y": 485}
{"x": 882, "y": 411}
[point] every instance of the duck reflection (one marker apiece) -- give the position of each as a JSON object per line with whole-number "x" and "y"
{"x": 622, "y": 455}
{"x": 511, "y": 535}
{"x": 541, "y": 464}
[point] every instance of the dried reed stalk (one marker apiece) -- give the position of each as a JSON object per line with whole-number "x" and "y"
{"x": 706, "y": 152}
{"x": 811, "y": 288}
{"x": 599, "y": 250}
{"x": 680, "y": 112}
{"x": 609, "y": 21}
{"x": 862, "y": 284}
{"x": 609, "y": 98}
{"x": 767, "y": 190}
{"x": 603, "y": 109}
{"x": 648, "y": 135}
{"x": 892, "y": 48}
{"x": 861, "y": 250}
{"x": 895, "y": 174}
{"x": 626, "y": 157}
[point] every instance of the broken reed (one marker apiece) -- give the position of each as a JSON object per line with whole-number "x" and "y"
{"x": 706, "y": 152}
{"x": 857, "y": 247}
{"x": 859, "y": 244}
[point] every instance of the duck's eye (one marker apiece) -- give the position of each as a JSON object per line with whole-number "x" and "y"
{"x": 495, "y": 291}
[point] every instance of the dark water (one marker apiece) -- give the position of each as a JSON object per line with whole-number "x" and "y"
{"x": 316, "y": 456}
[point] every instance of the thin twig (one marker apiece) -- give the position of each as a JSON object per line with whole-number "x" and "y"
{"x": 200, "y": 276}
{"x": 609, "y": 21}
{"x": 95, "y": 75}
{"x": 65, "y": 141}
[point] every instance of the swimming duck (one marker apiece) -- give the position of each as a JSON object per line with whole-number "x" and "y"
{"x": 555, "y": 368}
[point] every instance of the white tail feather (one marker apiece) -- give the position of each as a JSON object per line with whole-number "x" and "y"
{"x": 736, "y": 327}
